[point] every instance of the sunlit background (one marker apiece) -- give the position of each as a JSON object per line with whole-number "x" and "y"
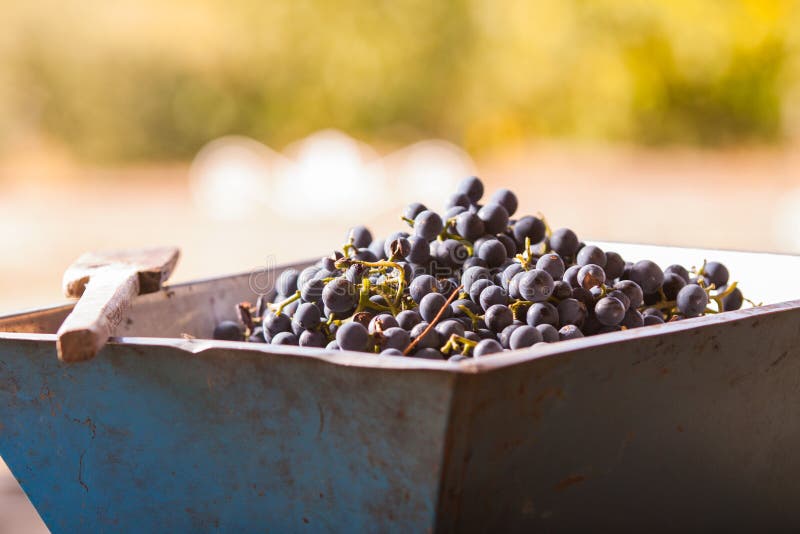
{"x": 242, "y": 130}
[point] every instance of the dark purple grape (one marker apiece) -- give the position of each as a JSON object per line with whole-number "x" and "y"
{"x": 257, "y": 336}
{"x": 472, "y": 261}
{"x": 472, "y": 275}
{"x": 672, "y": 284}
{"x": 408, "y": 319}
{"x": 504, "y": 337}
{"x": 365, "y": 254}
{"x": 457, "y": 200}
{"x": 421, "y": 286}
{"x": 507, "y": 199}
{"x": 285, "y": 338}
{"x": 382, "y": 322}
{"x": 561, "y": 290}
{"x": 276, "y": 323}
{"x": 553, "y": 264}
{"x": 632, "y": 291}
{"x": 571, "y": 276}
{"x": 419, "y": 251}
{"x": 476, "y": 288}
{"x": 487, "y": 347}
{"x": 228, "y": 331}
{"x": 362, "y": 237}
{"x": 564, "y": 242}
{"x": 529, "y": 227}
{"x": 431, "y": 339}
{"x": 312, "y": 290}
{"x": 307, "y": 316}
{"x": 511, "y": 248}
{"x": 286, "y": 284}
{"x": 609, "y": 311}
{"x": 652, "y": 319}
{"x": 469, "y": 226}
{"x": 648, "y": 275}
{"x": 549, "y": 333}
{"x": 632, "y": 319}
{"x": 394, "y": 338}
{"x": 492, "y": 295}
{"x": 614, "y": 266}
{"x": 493, "y": 252}
{"x": 428, "y": 225}
{"x": 569, "y": 331}
{"x": 536, "y": 285}
{"x": 391, "y": 352}
{"x": 340, "y": 295}
{"x": 591, "y": 254}
{"x": 680, "y": 270}
{"x": 431, "y": 304}
{"x": 333, "y": 345}
{"x": 654, "y": 311}
{"x": 356, "y": 272}
{"x": 312, "y": 338}
{"x": 542, "y": 313}
{"x": 494, "y": 217}
{"x": 692, "y": 300}
{"x": 464, "y": 303}
{"x": 376, "y": 249}
{"x": 429, "y": 353}
{"x": 413, "y": 209}
{"x": 571, "y": 311}
{"x": 733, "y": 301}
{"x": 448, "y": 328}
{"x": 352, "y": 336}
{"x": 509, "y": 273}
{"x": 716, "y": 273}
{"x": 472, "y": 187}
{"x": 591, "y": 275}
{"x": 455, "y": 252}
{"x": 621, "y": 296}
{"x": 498, "y": 317}
{"x": 523, "y": 337}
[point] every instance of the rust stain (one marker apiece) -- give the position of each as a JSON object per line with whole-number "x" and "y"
{"x": 778, "y": 360}
{"x": 679, "y": 428}
{"x": 80, "y": 472}
{"x": 569, "y": 481}
{"x": 664, "y": 371}
{"x": 305, "y": 520}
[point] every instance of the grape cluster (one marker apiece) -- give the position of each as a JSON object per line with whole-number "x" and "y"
{"x": 473, "y": 281}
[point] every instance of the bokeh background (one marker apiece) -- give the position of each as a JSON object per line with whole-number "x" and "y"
{"x": 248, "y": 131}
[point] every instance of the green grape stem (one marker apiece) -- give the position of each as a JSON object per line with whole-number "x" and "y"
{"x": 286, "y": 302}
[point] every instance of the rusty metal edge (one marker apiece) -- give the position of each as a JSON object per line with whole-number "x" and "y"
{"x": 471, "y": 366}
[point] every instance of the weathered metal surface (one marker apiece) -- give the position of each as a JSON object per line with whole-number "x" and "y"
{"x": 690, "y": 425}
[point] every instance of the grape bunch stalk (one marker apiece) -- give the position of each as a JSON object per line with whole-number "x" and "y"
{"x": 470, "y": 282}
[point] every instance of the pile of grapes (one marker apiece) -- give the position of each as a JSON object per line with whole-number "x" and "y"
{"x": 473, "y": 282}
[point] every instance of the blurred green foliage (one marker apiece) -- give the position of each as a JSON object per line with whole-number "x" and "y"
{"x": 135, "y": 79}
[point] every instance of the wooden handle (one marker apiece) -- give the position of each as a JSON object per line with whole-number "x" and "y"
{"x": 98, "y": 312}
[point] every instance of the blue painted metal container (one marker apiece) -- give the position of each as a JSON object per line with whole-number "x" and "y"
{"x": 692, "y": 424}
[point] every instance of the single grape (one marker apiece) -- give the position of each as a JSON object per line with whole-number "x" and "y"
{"x": 456, "y": 306}
{"x": 447, "y": 328}
{"x": 498, "y": 317}
{"x": 564, "y": 242}
{"x": 648, "y": 275}
{"x": 614, "y": 266}
{"x": 382, "y": 322}
{"x": 228, "y": 331}
{"x": 652, "y": 319}
{"x": 457, "y": 200}
{"x": 312, "y": 290}
{"x": 340, "y": 295}
{"x": 307, "y": 316}
{"x": 509, "y": 273}
{"x": 633, "y": 292}
{"x": 391, "y": 352}
{"x": 276, "y": 323}
{"x": 492, "y": 295}
{"x": 453, "y": 253}
{"x": 413, "y": 209}
{"x": 362, "y": 237}
{"x": 553, "y": 264}
{"x": 571, "y": 311}
{"x": 632, "y": 319}
{"x": 571, "y": 276}
{"x": 536, "y": 285}
{"x": 429, "y": 353}
{"x": 312, "y": 338}
{"x": 428, "y": 225}
{"x": 692, "y": 300}
{"x": 716, "y": 273}
{"x": 333, "y": 345}
{"x": 733, "y": 301}
{"x": 430, "y": 340}
{"x": 421, "y": 286}
{"x": 591, "y": 275}
{"x": 569, "y": 331}
{"x": 680, "y": 270}
{"x": 524, "y": 337}
{"x": 561, "y": 290}
{"x": 528, "y": 227}
{"x": 507, "y": 199}
{"x": 609, "y": 311}
{"x": 408, "y": 319}
{"x": 494, "y": 217}
{"x": 504, "y": 337}
{"x": 653, "y": 311}
{"x": 458, "y": 358}
{"x": 542, "y": 313}
{"x": 376, "y": 249}
{"x": 591, "y": 254}
{"x": 549, "y": 332}
{"x": 472, "y": 275}
{"x": 511, "y": 248}
{"x": 285, "y": 338}
{"x": 431, "y": 304}
{"x": 472, "y": 187}
{"x": 672, "y": 284}
{"x": 621, "y": 296}
{"x": 486, "y": 347}
{"x": 394, "y": 338}
{"x": 352, "y": 336}
{"x": 493, "y": 252}
{"x": 329, "y": 263}
{"x": 477, "y": 287}
{"x": 257, "y": 336}
{"x": 286, "y": 284}
{"x": 469, "y": 226}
